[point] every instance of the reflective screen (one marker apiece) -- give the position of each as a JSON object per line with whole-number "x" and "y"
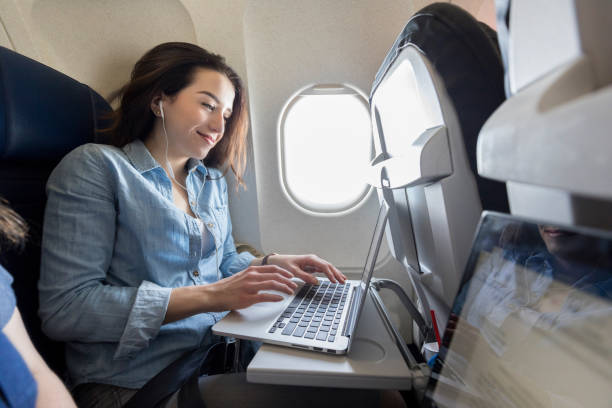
{"x": 532, "y": 323}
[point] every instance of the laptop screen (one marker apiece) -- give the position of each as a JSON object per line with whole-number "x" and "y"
{"x": 379, "y": 230}
{"x": 368, "y": 269}
{"x": 531, "y": 325}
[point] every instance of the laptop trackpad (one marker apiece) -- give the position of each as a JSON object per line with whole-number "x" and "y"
{"x": 263, "y": 311}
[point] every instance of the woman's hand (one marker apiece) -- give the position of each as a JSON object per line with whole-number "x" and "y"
{"x": 243, "y": 289}
{"x": 303, "y": 266}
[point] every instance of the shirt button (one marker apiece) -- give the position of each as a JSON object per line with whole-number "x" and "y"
{"x": 192, "y": 202}
{"x": 196, "y": 273}
{"x": 210, "y": 225}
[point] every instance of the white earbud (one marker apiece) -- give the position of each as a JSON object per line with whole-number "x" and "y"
{"x": 161, "y": 109}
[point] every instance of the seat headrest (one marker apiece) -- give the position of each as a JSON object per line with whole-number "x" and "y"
{"x": 43, "y": 113}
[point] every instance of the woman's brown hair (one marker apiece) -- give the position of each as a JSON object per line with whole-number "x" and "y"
{"x": 168, "y": 68}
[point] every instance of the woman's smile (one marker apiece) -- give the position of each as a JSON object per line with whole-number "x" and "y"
{"x": 207, "y": 138}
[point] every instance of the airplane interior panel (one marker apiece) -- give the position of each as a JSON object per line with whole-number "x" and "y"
{"x": 282, "y": 224}
{"x": 246, "y": 203}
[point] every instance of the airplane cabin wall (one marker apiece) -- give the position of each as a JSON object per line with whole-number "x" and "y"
{"x": 277, "y": 47}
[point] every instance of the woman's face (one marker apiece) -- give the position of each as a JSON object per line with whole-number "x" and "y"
{"x": 566, "y": 244}
{"x": 196, "y": 116}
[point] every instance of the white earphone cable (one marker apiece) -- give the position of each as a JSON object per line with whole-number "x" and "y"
{"x": 197, "y": 201}
{"x": 161, "y": 110}
{"x": 170, "y": 171}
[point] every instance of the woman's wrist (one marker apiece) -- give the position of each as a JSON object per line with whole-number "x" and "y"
{"x": 266, "y": 259}
{"x": 208, "y": 298}
{"x": 187, "y": 301}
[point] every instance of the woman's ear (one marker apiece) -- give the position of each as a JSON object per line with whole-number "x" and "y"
{"x": 157, "y": 107}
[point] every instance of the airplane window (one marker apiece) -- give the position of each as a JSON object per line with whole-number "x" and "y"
{"x": 326, "y": 146}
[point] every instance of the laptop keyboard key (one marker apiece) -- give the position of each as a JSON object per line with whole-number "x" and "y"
{"x": 322, "y": 336}
{"x": 299, "y": 332}
{"x": 309, "y": 335}
{"x": 289, "y": 329}
{"x": 331, "y": 338}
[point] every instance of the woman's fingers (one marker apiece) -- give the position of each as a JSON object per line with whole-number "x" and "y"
{"x": 266, "y": 297}
{"x": 243, "y": 289}
{"x": 249, "y": 286}
{"x": 315, "y": 264}
{"x": 331, "y": 269}
{"x": 272, "y": 285}
{"x": 270, "y": 269}
{"x": 306, "y": 277}
{"x": 260, "y": 277}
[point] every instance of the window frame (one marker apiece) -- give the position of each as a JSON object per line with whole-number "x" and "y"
{"x": 320, "y": 89}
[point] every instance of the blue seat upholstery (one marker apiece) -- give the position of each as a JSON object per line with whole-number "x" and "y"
{"x": 43, "y": 115}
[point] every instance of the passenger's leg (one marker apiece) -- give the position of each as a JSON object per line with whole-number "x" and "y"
{"x": 101, "y": 395}
{"x": 232, "y": 390}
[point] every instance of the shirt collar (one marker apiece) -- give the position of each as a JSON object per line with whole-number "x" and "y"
{"x": 198, "y": 165}
{"x": 143, "y": 161}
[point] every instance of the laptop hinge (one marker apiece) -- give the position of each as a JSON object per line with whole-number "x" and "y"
{"x": 351, "y": 318}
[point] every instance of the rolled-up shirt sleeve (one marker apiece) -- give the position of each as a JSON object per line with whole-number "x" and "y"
{"x": 144, "y": 320}
{"x": 77, "y": 303}
{"x": 233, "y": 262}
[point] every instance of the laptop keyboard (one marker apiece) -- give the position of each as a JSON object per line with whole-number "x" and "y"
{"x": 314, "y": 313}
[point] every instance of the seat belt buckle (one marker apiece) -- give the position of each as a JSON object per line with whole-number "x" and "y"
{"x": 231, "y": 359}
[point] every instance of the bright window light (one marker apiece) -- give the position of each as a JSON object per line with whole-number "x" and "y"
{"x": 326, "y": 148}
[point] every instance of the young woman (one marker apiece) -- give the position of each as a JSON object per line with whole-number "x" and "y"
{"x": 25, "y": 378}
{"x": 138, "y": 260}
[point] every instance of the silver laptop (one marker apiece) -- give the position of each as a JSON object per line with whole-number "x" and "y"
{"x": 532, "y": 321}
{"x": 319, "y": 317}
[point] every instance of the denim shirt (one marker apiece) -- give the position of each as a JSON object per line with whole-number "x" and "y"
{"x": 114, "y": 245}
{"x": 7, "y": 297}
